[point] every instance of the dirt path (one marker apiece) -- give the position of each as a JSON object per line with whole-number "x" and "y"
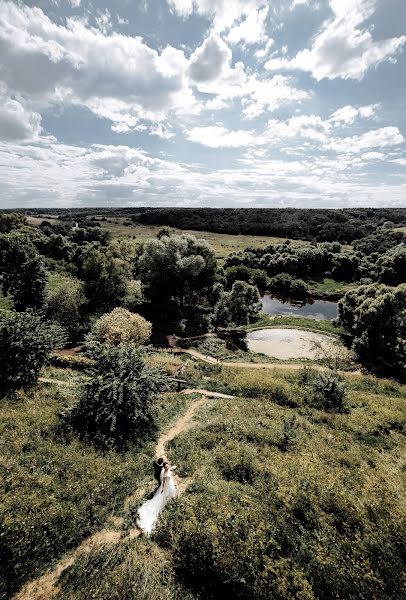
{"x": 250, "y": 365}
{"x": 45, "y": 587}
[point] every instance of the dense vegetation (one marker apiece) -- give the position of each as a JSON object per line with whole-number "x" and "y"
{"x": 296, "y": 482}
{"x": 316, "y": 225}
{"x": 379, "y": 257}
{"x": 288, "y": 500}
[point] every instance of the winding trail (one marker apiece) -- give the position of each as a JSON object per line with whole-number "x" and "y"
{"x": 251, "y": 365}
{"x": 45, "y": 587}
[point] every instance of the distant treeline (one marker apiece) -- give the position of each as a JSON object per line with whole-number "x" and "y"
{"x": 323, "y": 225}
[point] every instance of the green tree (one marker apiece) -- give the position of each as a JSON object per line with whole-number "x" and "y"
{"x": 10, "y": 221}
{"x": 22, "y": 271}
{"x": 375, "y": 316}
{"x": 105, "y": 280}
{"x": 26, "y": 342}
{"x": 115, "y": 404}
{"x": 67, "y": 306}
{"x": 178, "y": 273}
{"x": 239, "y": 306}
{"x": 120, "y": 326}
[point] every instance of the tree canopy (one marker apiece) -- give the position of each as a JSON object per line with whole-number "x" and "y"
{"x": 375, "y": 316}
{"x": 25, "y": 342}
{"x": 22, "y": 271}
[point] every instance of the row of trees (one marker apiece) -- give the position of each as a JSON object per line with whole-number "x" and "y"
{"x": 379, "y": 257}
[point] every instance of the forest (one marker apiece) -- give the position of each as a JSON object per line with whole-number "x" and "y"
{"x": 116, "y": 323}
{"x": 322, "y": 225}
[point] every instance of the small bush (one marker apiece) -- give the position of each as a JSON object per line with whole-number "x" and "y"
{"x": 115, "y": 403}
{"x": 120, "y": 326}
{"x": 328, "y": 393}
{"x": 289, "y": 437}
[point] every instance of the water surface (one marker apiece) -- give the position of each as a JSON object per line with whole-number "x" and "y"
{"x": 286, "y": 344}
{"x": 322, "y": 310}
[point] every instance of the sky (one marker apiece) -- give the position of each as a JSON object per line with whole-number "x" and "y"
{"x": 225, "y": 103}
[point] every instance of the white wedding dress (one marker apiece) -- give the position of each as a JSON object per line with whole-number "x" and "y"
{"x": 151, "y": 509}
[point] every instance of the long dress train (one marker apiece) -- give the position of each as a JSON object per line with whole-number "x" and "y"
{"x": 149, "y": 512}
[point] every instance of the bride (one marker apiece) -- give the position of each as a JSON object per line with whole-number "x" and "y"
{"x": 151, "y": 509}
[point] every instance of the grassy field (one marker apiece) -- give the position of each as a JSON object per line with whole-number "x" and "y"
{"x": 55, "y": 490}
{"x": 287, "y": 501}
{"x": 223, "y": 244}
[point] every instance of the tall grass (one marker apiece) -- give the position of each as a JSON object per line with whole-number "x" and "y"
{"x": 55, "y": 490}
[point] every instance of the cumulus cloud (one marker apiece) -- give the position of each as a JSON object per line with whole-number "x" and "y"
{"x": 82, "y": 65}
{"x": 219, "y": 137}
{"x": 251, "y": 30}
{"x": 376, "y": 138}
{"x": 18, "y": 122}
{"x": 343, "y": 48}
{"x": 348, "y": 114}
{"x": 210, "y": 60}
{"x": 222, "y": 13}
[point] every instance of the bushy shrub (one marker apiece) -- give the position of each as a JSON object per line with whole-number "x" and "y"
{"x": 120, "y": 326}
{"x": 289, "y": 436}
{"x": 115, "y": 404}
{"x": 26, "y": 343}
{"x": 328, "y": 392}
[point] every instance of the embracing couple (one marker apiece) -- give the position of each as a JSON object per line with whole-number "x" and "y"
{"x": 149, "y": 512}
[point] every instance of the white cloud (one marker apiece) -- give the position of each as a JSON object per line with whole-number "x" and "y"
{"x": 376, "y": 138}
{"x": 250, "y": 31}
{"x": 223, "y": 13}
{"x": 263, "y": 52}
{"x": 210, "y": 60}
{"x": 80, "y": 65}
{"x": 343, "y": 49}
{"x": 399, "y": 161}
{"x": 348, "y": 114}
{"x": 16, "y": 121}
{"x": 270, "y": 94}
{"x": 219, "y": 137}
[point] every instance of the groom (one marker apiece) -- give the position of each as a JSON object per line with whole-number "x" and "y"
{"x": 158, "y": 466}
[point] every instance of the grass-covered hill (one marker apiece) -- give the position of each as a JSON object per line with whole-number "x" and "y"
{"x": 286, "y": 501}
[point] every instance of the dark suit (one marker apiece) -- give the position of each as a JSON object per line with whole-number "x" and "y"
{"x": 157, "y": 471}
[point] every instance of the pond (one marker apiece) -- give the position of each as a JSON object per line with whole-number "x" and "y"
{"x": 322, "y": 310}
{"x": 286, "y": 344}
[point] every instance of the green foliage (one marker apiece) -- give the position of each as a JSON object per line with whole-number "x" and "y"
{"x": 54, "y": 489}
{"x": 115, "y": 403}
{"x": 63, "y": 361}
{"x": 289, "y": 438}
{"x": 105, "y": 281}
{"x": 239, "y": 306}
{"x": 130, "y": 570}
{"x": 328, "y": 392}
{"x": 67, "y": 306}
{"x": 21, "y": 271}
{"x": 289, "y": 524}
{"x": 178, "y": 273}
{"x": 120, "y": 326}
{"x": 288, "y": 285}
{"x": 26, "y": 342}
{"x": 375, "y": 316}
{"x": 10, "y": 221}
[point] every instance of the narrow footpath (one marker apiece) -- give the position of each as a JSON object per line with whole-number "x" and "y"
{"x": 45, "y": 587}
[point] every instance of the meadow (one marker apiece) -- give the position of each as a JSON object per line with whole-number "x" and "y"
{"x": 56, "y": 490}
{"x": 287, "y": 501}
